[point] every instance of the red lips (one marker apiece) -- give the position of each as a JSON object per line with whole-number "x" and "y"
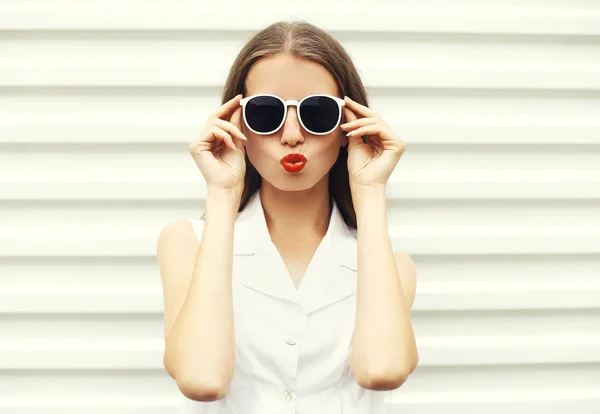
{"x": 293, "y": 163}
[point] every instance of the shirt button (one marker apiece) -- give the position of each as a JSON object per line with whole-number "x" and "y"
{"x": 287, "y": 396}
{"x": 290, "y": 341}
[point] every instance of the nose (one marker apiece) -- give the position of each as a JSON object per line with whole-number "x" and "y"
{"x": 292, "y": 130}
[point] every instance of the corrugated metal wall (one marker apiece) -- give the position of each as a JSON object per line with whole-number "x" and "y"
{"x": 497, "y": 197}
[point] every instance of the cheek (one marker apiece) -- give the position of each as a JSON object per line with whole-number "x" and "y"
{"x": 331, "y": 147}
{"x": 325, "y": 153}
{"x": 257, "y": 151}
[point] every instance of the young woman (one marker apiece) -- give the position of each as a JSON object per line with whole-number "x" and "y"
{"x": 288, "y": 297}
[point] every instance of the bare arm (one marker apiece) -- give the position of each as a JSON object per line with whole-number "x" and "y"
{"x": 199, "y": 331}
{"x": 384, "y": 351}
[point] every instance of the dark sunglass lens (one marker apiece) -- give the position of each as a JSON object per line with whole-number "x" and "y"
{"x": 264, "y": 113}
{"x": 319, "y": 113}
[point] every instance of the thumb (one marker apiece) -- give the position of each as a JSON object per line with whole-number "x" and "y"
{"x": 348, "y": 114}
{"x": 236, "y": 118}
{"x": 356, "y": 140}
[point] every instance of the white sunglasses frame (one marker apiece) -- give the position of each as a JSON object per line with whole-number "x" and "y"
{"x": 297, "y": 104}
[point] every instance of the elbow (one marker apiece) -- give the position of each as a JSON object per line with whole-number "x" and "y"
{"x": 414, "y": 362}
{"x": 198, "y": 390}
{"x": 195, "y": 388}
{"x": 167, "y": 366}
{"x": 390, "y": 378}
{"x": 384, "y": 381}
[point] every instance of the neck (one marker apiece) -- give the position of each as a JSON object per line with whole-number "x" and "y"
{"x": 304, "y": 212}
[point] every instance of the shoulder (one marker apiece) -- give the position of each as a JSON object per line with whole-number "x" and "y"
{"x": 179, "y": 234}
{"x": 179, "y": 228}
{"x": 404, "y": 260}
{"x": 408, "y": 276}
{"x": 176, "y": 252}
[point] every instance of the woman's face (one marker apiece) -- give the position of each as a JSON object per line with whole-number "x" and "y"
{"x": 291, "y": 78}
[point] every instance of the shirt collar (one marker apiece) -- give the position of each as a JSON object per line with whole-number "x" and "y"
{"x": 335, "y": 260}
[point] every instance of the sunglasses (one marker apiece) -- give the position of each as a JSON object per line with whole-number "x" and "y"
{"x": 318, "y": 114}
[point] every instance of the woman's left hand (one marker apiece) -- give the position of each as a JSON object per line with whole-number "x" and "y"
{"x": 370, "y": 163}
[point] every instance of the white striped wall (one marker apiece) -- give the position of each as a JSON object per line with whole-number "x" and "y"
{"x": 497, "y": 197}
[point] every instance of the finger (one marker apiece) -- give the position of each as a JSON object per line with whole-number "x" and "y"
{"x": 354, "y": 141}
{"x": 374, "y": 141}
{"x": 366, "y": 130}
{"x": 358, "y": 108}
{"x": 224, "y": 136}
{"x": 348, "y": 126}
{"x": 240, "y": 144}
{"x": 225, "y": 111}
{"x": 230, "y": 128}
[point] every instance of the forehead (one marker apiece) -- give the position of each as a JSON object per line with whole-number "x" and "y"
{"x": 289, "y": 77}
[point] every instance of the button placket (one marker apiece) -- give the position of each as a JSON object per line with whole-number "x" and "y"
{"x": 296, "y": 324}
{"x": 287, "y": 396}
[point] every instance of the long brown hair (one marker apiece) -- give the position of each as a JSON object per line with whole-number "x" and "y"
{"x": 302, "y": 40}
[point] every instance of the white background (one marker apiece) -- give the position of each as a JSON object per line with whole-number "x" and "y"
{"x": 497, "y": 197}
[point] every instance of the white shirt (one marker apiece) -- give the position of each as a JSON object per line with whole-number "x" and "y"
{"x": 292, "y": 346}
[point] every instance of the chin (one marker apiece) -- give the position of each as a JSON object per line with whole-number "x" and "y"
{"x": 292, "y": 182}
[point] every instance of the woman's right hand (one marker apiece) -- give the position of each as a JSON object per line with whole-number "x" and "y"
{"x": 220, "y": 148}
